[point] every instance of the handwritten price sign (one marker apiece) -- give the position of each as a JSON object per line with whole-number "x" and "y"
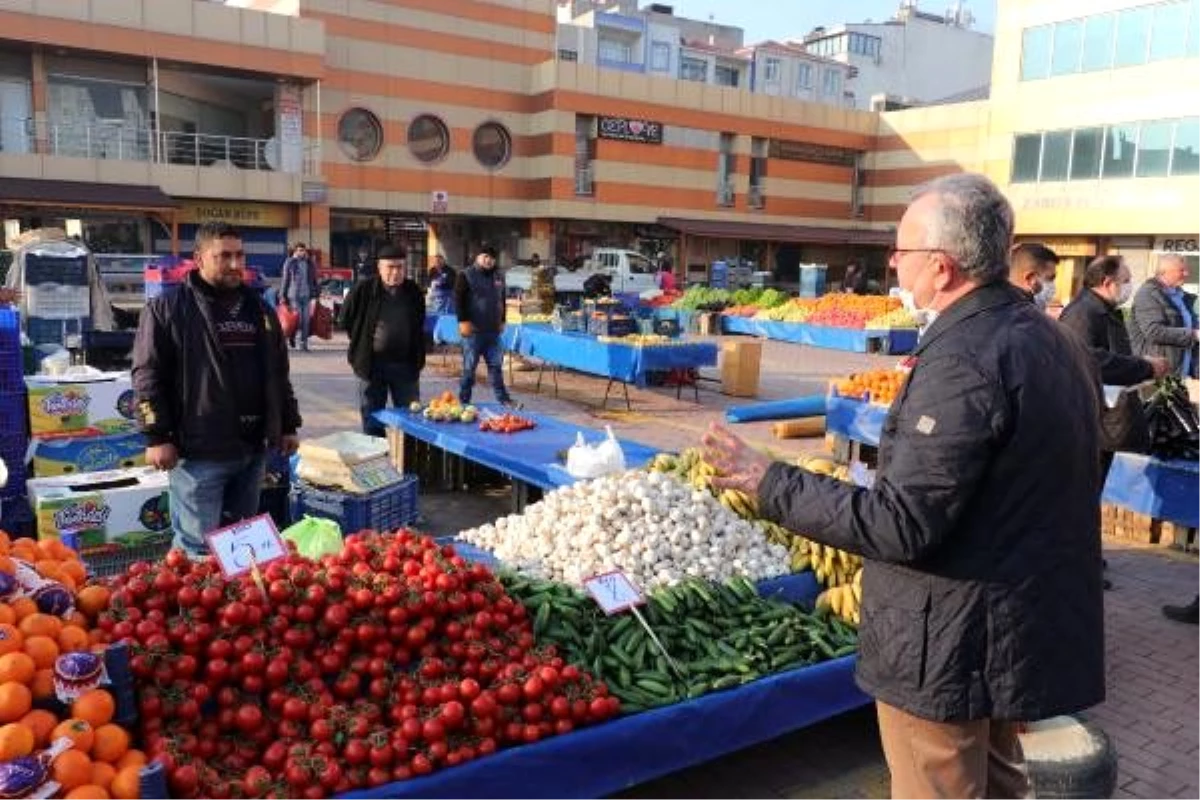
{"x": 251, "y": 543}
{"x": 614, "y": 592}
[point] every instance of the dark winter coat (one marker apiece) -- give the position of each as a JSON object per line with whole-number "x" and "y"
{"x": 981, "y": 589}
{"x": 360, "y": 315}
{"x": 1099, "y": 324}
{"x": 182, "y": 378}
{"x": 479, "y": 298}
{"x": 299, "y": 281}
{"x": 1157, "y": 328}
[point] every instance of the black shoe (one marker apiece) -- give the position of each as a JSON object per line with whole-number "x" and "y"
{"x": 1189, "y": 614}
{"x": 1104, "y": 563}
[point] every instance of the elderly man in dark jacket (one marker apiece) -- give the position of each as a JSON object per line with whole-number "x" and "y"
{"x": 385, "y": 317}
{"x": 1161, "y": 322}
{"x": 210, "y": 371}
{"x": 981, "y": 598}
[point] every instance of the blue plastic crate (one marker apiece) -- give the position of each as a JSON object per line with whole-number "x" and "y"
{"x": 381, "y": 510}
{"x": 72, "y": 271}
{"x": 10, "y": 320}
{"x": 55, "y": 331}
{"x": 14, "y": 410}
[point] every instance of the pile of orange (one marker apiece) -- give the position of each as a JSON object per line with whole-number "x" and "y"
{"x": 101, "y": 763}
{"x": 878, "y": 386}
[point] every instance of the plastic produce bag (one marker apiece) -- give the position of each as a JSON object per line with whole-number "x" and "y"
{"x": 592, "y": 461}
{"x": 315, "y": 537}
{"x": 289, "y": 319}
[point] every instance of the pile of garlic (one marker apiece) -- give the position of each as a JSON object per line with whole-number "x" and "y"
{"x": 649, "y": 525}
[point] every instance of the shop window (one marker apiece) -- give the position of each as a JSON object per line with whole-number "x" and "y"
{"x": 1027, "y": 154}
{"x": 1133, "y": 31}
{"x": 360, "y": 134}
{"x": 1098, "y": 42}
{"x": 1086, "y": 144}
{"x": 1168, "y": 39}
{"x": 1154, "y": 149}
{"x": 1185, "y": 151}
{"x": 428, "y": 139}
{"x": 1035, "y": 52}
{"x": 693, "y": 69}
{"x": 1056, "y": 156}
{"x": 1068, "y": 40}
{"x": 1120, "y": 144}
{"x": 660, "y": 56}
{"x": 492, "y": 144}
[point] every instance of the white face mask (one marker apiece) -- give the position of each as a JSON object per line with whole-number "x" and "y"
{"x": 1046, "y": 296}
{"x": 923, "y": 316}
{"x": 1124, "y": 293}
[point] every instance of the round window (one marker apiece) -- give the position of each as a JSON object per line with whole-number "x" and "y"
{"x": 493, "y": 145}
{"x": 428, "y": 138}
{"x": 360, "y": 135}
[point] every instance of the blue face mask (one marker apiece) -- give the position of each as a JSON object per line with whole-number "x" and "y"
{"x": 1046, "y": 295}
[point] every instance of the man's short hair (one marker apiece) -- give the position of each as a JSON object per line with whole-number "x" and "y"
{"x": 1032, "y": 255}
{"x": 489, "y": 250}
{"x": 390, "y": 252}
{"x": 1100, "y": 269}
{"x": 973, "y": 222}
{"x": 210, "y": 232}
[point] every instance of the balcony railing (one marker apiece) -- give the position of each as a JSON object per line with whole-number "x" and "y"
{"x": 122, "y": 142}
{"x": 725, "y": 193}
{"x": 584, "y": 186}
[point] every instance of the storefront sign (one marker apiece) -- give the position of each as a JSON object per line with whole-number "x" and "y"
{"x": 439, "y": 202}
{"x": 250, "y": 215}
{"x": 313, "y": 191}
{"x": 289, "y": 115}
{"x": 786, "y": 150}
{"x": 630, "y": 130}
{"x": 1178, "y": 244}
{"x": 394, "y": 226}
{"x": 1069, "y": 248}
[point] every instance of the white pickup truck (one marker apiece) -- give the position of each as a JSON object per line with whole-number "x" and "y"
{"x": 630, "y": 271}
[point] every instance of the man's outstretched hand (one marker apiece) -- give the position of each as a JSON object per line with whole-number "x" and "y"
{"x": 742, "y": 466}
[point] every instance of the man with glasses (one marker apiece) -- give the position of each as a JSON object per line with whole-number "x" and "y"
{"x": 981, "y": 588}
{"x": 210, "y": 370}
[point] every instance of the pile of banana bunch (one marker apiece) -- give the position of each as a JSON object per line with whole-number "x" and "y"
{"x": 845, "y": 600}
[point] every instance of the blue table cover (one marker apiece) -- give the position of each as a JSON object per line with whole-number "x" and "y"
{"x": 584, "y": 353}
{"x": 854, "y": 419}
{"x": 530, "y": 456}
{"x": 445, "y": 331}
{"x": 1167, "y": 490}
{"x": 895, "y": 340}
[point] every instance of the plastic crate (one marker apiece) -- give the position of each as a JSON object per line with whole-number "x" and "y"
{"x": 613, "y": 326}
{"x": 105, "y": 563}
{"x": 16, "y": 517}
{"x": 72, "y": 271}
{"x": 58, "y": 301}
{"x": 14, "y": 413}
{"x": 381, "y": 510}
{"x": 56, "y": 331}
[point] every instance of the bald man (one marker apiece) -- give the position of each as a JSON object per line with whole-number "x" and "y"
{"x": 1162, "y": 321}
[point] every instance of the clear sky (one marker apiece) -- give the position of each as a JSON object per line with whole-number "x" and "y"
{"x": 782, "y": 19}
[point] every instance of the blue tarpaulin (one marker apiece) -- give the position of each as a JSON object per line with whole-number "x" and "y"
{"x": 811, "y": 406}
{"x": 530, "y": 456}
{"x": 854, "y": 419}
{"x": 445, "y": 331}
{"x": 893, "y": 341}
{"x": 584, "y": 353}
{"x": 1167, "y": 490}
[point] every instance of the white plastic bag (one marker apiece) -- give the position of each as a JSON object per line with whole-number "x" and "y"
{"x": 592, "y": 461}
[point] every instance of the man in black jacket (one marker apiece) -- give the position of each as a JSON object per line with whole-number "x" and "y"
{"x": 981, "y": 597}
{"x": 1033, "y": 270}
{"x": 385, "y": 317}
{"x": 479, "y": 300}
{"x": 210, "y": 369}
{"x": 1162, "y": 322}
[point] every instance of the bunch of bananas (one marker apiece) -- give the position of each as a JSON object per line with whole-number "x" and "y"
{"x": 689, "y": 467}
{"x": 845, "y": 600}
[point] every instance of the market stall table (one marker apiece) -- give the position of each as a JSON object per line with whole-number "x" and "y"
{"x": 884, "y": 341}
{"x": 529, "y": 458}
{"x": 1168, "y": 490}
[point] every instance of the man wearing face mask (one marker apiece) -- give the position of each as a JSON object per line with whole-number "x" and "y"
{"x": 1033, "y": 270}
{"x": 981, "y": 588}
{"x": 479, "y": 300}
{"x": 1161, "y": 322}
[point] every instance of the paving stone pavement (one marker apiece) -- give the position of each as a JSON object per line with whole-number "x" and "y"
{"x": 1152, "y": 707}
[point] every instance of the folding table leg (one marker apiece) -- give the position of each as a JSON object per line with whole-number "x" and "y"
{"x": 625, "y": 387}
{"x": 607, "y": 388}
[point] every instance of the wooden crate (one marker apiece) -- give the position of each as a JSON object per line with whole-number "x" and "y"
{"x": 1122, "y": 523}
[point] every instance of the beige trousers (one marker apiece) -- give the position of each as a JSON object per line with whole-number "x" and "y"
{"x": 980, "y": 758}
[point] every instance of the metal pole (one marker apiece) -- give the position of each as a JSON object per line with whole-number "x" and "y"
{"x": 157, "y": 149}
{"x": 317, "y": 165}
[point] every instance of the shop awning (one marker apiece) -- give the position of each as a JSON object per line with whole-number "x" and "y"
{"x": 81, "y": 194}
{"x": 767, "y": 232}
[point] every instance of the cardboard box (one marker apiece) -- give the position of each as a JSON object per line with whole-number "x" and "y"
{"x": 88, "y": 406}
{"x": 68, "y": 455}
{"x": 117, "y": 507}
{"x": 740, "y": 362}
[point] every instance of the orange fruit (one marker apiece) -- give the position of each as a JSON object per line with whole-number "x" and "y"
{"x": 15, "y": 701}
{"x": 18, "y": 667}
{"x": 88, "y": 791}
{"x": 41, "y": 722}
{"x": 72, "y": 769}
{"x": 72, "y": 639}
{"x": 91, "y": 600}
{"x": 38, "y": 624}
{"x": 103, "y": 774}
{"x": 23, "y": 607}
{"x": 11, "y": 639}
{"x": 43, "y": 650}
{"x": 16, "y": 740}
{"x": 75, "y": 571}
{"x": 76, "y": 619}
{"x": 97, "y": 637}
{"x": 7, "y": 564}
{"x": 78, "y": 731}
{"x": 132, "y": 758}
{"x": 49, "y": 568}
{"x": 7, "y": 615}
{"x": 95, "y": 706}
{"x": 127, "y": 785}
{"x": 111, "y": 743}
{"x": 42, "y": 684}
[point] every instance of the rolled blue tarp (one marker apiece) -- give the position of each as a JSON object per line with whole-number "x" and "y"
{"x": 811, "y": 406}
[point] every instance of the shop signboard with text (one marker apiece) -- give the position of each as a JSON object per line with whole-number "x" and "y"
{"x": 626, "y": 129}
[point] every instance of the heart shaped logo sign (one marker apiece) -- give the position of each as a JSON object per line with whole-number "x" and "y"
{"x": 636, "y": 127}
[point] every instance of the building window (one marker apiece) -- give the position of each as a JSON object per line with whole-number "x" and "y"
{"x": 1154, "y": 149}
{"x": 614, "y": 52}
{"x": 660, "y": 57}
{"x": 1027, "y": 154}
{"x": 1068, "y": 40}
{"x": 1169, "y": 37}
{"x": 1056, "y": 156}
{"x": 693, "y": 69}
{"x": 832, "y": 85}
{"x": 771, "y": 69}
{"x": 492, "y": 144}
{"x": 804, "y": 80}
{"x": 428, "y": 139}
{"x": 1035, "y": 52}
{"x": 1120, "y": 144}
{"x": 360, "y": 135}
{"x": 1086, "y": 144}
{"x": 567, "y": 55}
{"x": 726, "y": 76}
{"x": 1098, "y": 42}
{"x": 1185, "y": 151}
{"x": 1133, "y": 31}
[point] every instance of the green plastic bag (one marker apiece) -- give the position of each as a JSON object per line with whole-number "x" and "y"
{"x": 315, "y": 537}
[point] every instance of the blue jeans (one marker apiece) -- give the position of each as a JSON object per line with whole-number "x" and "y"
{"x": 388, "y": 377}
{"x": 302, "y": 308}
{"x": 489, "y": 347}
{"x": 206, "y": 495}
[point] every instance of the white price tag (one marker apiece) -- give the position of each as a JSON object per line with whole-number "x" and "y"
{"x": 613, "y": 592}
{"x": 861, "y": 475}
{"x": 251, "y": 543}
